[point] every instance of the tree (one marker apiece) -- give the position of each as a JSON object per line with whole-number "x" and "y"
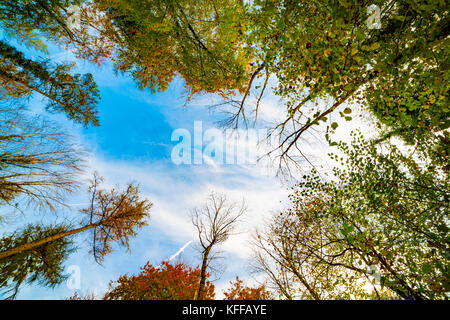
{"x": 42, "y": 264}
{"x": 38, "y": 160}
{"x": 165, "y": 282}
{"x": 240, "y": 292}
{"x": 39, "y": 251}
{"x": 76, "y": 95}
{"x": 289, "y": 253}
{"x": 384, "y": 210}
{"x": 215, "y": 222}
{"x": 321, "y": 49}
{"x": 26, "y": 22}
{"x": 225, "y": 47}
{"x": 155, "y": 41}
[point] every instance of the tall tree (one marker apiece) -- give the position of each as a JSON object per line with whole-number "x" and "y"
{"x": 27, "y": 22}
{"x": 39, "y": 251}
{"x": 76, "y": 95}
{"x": 165, "y": 282}
{"x": 326, "y": 49}
{"x": 42, "y": 264}
{"x": 286, "y": 252}
{"x": 215, "y": 221}
{"x": 39, "y": 162}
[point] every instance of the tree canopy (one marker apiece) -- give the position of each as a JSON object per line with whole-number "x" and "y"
{"x": 373, "y": 227}
{"x": 165, "y": 282}
{"x": 323, "y": 54}
{"x": 383, "y": 210}
{"x": 43, "y": 264}
{"x": 74, "y": 94}
{"x": 37, "y": 253}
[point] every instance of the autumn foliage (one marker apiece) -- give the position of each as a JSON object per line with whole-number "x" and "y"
{"x": 239, "y": 291}
{"x": 166, "y": 282}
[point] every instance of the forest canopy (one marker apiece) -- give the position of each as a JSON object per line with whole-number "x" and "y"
{"x": 373, "y": 226}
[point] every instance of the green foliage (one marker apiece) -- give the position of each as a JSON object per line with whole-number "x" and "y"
{"x": 315, "y": 49}
{"x": 155, "y": 41}
{"x": 33, "y": 24}
{"x": 27, "y": 21}
{"x": 76, "y": 95}
{"x": 383, "y": 208}
{"x": 41, "y": 265}
{"x": 39, "y": 251}
{"x": 325, "y": 48}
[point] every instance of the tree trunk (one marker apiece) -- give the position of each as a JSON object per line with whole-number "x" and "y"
{"x": 37, "y": 243}
{"x": 201, "y": 287}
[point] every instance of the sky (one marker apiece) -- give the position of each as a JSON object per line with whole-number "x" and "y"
{"x": 134, "y": 144}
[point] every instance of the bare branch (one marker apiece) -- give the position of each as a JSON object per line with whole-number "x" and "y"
{"x": 215, "y": 222}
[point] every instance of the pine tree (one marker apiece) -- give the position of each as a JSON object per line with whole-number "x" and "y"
{"x": 37, "y": 253}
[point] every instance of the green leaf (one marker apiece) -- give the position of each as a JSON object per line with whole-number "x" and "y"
{"x": 426, "y": 268}
{"x": 374, "y": 46}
